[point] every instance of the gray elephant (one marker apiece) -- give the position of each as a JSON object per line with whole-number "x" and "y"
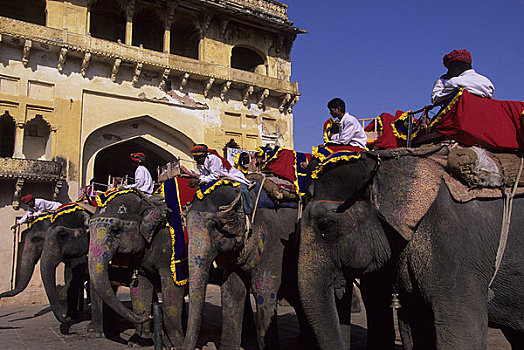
{"x": 133, "y": 226}
{"x": 391, "y": 209}
{"x": 34, "y": 241}
{"x": 217, "y": 228}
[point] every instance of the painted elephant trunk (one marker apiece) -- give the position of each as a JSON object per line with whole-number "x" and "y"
{"x": 30, "y": 257}
{"x": 98, "y": 269}
{"x": 48, "y": 265}
{"x": 200, "y": 257}
{"x": 317, "y": 295}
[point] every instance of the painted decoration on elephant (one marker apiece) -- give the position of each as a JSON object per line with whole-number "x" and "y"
{"x": 209, "y": 187}
{"x": 104, "y": 198}
{"x": 264, "y": 289}
{"x": 65, "y": 209}
{"x": 334, "y": 154}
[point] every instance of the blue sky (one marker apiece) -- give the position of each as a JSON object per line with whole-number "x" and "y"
{"x": 380, "y": 56}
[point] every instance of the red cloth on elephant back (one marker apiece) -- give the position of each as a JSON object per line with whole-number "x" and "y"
{"x": 386, "y": 138}
{"x": 493, "y": 124}
{"x": 283, "y": 164}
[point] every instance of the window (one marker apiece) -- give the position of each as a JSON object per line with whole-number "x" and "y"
{"x": 7, "y": 135}
{"x": 37, "y": 143}
{"x": 148, "y": 30}
{"x": 248, "y": 60}
{"x": 107, "y": 21}
{"x": 184, "y": 38}
{"x": 32, "y": 11}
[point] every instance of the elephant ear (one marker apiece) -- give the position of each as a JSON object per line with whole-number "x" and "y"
{"x": 405, "y": 188}
{"x": 154, "y": 213}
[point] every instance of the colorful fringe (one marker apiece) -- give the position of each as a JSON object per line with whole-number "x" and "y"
{"x": 104, "y": 198}
{"x": 176, "y": 192}
{"x": 41, "y": 217}
{"x": 331, "y": 155}
{"x": 209, "y": 187}
{"x": 65, "y": 209}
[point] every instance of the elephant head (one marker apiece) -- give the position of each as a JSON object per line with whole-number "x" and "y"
{"x": 63, "y": 244}
{"x": 33, "y": 238}
{"x": 357, "y": 214}
{"x": 125, "y": 226}
{"x": 214, "y": 224}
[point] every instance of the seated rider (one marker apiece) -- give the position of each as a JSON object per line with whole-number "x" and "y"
{"x": 351, "y": 132}
{"x": 143, "y": 179}
{"x": 35, "y": 207}
{"x": 213, "y": 167}
{"x": 460, "y": 75}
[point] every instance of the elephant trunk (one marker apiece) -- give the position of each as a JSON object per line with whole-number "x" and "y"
{"x": 30, "y": 257}
{"x": 201, "y": 254}
{"x": 99, "y": 258}
{"x": 50, "y": 260}
{"x": 316, "y": 292}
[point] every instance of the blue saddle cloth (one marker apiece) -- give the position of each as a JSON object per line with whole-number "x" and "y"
{"x": 265, "y": 202}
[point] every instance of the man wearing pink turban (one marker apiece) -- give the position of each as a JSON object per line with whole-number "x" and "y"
{"x": 460, "y": 75}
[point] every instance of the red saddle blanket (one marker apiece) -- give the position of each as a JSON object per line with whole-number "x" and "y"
{"x": 472, "y": 120}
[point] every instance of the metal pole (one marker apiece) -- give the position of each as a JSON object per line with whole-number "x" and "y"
{"x": 410, "y": 127}
{"x": 157, "y": 325}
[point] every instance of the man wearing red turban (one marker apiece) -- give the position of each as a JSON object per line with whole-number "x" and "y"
{"x": 460, "y": 75}
{"x": 143, "y": 179}
{"x": 35, "y": 207}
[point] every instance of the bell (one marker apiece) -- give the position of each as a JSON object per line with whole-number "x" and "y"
{"x": 134, "y": 278}
{"x": 395, "y": 303}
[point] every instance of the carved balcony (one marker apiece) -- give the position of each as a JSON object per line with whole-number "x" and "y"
{"x": 28, "y": 169}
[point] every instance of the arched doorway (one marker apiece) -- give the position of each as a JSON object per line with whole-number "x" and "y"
{"x": 114, "y": 142}
{"x": 247, "y": 59}
{"x": 107, "y": 20}
{"x": 114, "y": 160}
{"x": 7, "y": 135}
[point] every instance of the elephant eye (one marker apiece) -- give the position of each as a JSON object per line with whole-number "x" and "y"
{"x": 327, "y": 228}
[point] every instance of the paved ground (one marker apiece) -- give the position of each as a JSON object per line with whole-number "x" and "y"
{"x": 35, "y": 328}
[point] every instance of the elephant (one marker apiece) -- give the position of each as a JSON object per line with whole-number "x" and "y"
{"x": 391, "y": 211}
{"x": 34, "y": 242}
{"x": 133, "y": 226}
{"x": 216, "y": 227}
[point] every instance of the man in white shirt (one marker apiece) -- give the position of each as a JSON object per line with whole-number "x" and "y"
{"x": 351, "y": 132}
{"x": 143, "y": 179}
{"x": 213, "y": 167}
{"x": 460, "y": 75}
{"x": 35, "y": 207}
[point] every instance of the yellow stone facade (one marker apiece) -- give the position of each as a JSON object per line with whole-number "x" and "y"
{"x": 83, "y": 83}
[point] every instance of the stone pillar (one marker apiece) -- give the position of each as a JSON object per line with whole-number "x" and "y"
{"x": 168, "y": 21}
{"x": 19, "y": 141}
{"x": 130, "y": 12}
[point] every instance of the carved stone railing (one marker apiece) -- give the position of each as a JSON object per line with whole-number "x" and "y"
{"x": 41, "y": 170}
{"x": 23, "y": 170}
{"x": 271, "y": 7}
{"x": 153, "y": 60}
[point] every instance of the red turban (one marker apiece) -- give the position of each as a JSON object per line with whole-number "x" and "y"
{"x": 26, "y": 199}
{"x": 138, "y": 157}
{"x": 457, "y": 55}
{"x": 198, "y": 150}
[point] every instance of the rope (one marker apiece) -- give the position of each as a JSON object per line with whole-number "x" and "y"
{"x": 506, "y": 220}
{"x": 258, "y": 197}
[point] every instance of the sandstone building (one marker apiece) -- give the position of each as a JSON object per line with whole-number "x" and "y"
{"x": 85, "y": 82}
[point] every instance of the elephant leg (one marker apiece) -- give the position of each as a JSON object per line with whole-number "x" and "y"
{"x": 233, "y": 294}
{"x": 97, "y": 305}
{"x": 265, "y": 288}
{"x": 172, "y": 309}
{"x": 141, "y": 298}
{"x": 74, "y": 292}
{"x": 461, "y": 322}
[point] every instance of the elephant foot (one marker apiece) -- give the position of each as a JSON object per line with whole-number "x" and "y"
{"x": 94, "y": 330}
{"x": 136, "y": 340}
{"x": 64, "y": 328}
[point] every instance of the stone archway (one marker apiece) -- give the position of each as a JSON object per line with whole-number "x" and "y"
{"x": 114, "y": 160}
{"x": 112, "y": 144}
